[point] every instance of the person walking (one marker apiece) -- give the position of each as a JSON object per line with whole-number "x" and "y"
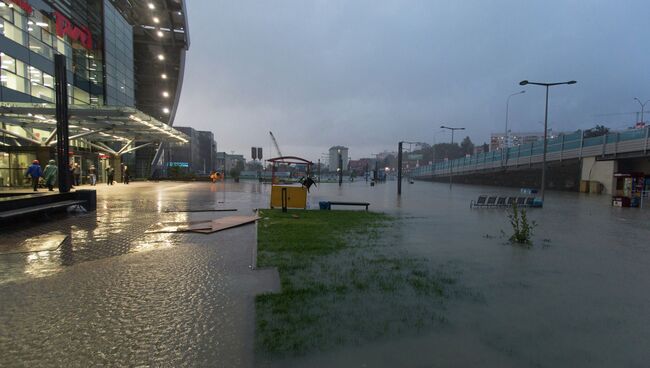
{"x": 71, "y": 175}
{"x": 110, "y": 175}
{"x": 92, "y": 174}
{"x": 76, "y": 172}
{"x": 50, "y": 174}
{"x": 34, "y": 171}
{"x": 125, "y": 175}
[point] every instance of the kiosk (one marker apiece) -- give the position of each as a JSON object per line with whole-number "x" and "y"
{"x": 288, "y": 195}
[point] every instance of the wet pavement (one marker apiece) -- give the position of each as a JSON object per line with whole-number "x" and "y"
{"x": 113, "y": 295}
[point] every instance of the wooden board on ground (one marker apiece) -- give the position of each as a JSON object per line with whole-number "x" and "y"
{"x": 225, "y": 223}
{"x": 203, "y": 210}
{"x": 39, "y": 243}
{"x": 203, "y": 227}
{"x": 177, "y": 227}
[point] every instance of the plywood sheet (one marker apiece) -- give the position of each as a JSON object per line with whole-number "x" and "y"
{"x": 204, "y": 227}
{"x": 224, "y": 223}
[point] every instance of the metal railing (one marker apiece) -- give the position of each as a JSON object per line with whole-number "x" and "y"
{"x": 563, "y": 147}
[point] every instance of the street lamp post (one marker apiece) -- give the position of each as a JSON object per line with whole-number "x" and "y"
{"x": 505, "y": 137}
{"x": 340, "y": 162}
{"x": 547, "y": 85}
{"x": 452, "y": 142}
{"x": 642, "y": 107}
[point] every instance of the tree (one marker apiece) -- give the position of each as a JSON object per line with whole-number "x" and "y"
{"x": 235, "y": 171}
{"x": 597, "y": 131}
{"x": 467, "y": 146}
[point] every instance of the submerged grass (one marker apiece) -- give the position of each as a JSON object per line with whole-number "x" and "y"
{"x": 342, "y": 282}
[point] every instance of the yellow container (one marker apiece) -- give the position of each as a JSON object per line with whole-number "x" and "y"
{"x": 584, "y": 186}
{"x": 595, "y": 187}
{"x": 296, "y": 196}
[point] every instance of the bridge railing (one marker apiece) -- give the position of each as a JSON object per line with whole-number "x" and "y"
{"x": 563, "y": 147}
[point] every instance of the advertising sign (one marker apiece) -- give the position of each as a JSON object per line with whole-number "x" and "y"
{"x": 64, "y": 27}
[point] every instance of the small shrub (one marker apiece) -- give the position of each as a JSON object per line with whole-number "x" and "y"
{"x": 522, "y": 230}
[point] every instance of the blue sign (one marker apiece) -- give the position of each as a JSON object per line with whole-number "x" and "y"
{"x": 178, "y": 164}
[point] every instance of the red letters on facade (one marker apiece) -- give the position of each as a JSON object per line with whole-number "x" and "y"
{"x": 64, "y": 27}
{"x": 24, "y": 5}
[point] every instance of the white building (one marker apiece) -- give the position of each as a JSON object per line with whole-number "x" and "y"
{"x": 334, "y": 157}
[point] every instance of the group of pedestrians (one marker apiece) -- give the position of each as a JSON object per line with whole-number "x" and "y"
{"x": 50, "y": 174}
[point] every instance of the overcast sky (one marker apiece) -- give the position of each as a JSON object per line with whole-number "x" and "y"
{"x": 366, "y": 74}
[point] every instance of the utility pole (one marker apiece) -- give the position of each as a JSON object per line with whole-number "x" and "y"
{"x": 452, "y": 142}
{"x": 399, "y": 168}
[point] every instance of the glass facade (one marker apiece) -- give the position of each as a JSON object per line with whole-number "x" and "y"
{"x": 118, "y": 48}
{"x": 36, "y": 32}
{"x": 13, "y": 166}
{"x": 98, "y": 41}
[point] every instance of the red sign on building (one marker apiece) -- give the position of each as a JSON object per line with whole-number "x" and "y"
{"x": 24, "y": 5}
{"x": 64, "y": 27}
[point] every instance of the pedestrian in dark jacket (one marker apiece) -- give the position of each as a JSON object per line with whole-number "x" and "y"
{"x": 92, "y": 175}
{"x": 125, "y": 175}
{"x": 50, "y": 174}
{"x": 34, "y": 171}
{"x": 110, "y": 175}
{"x": 76, "y": 173}
{"x": 70, "y": 175}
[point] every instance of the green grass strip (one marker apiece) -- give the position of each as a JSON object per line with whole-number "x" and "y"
{"x": 343, "y": 282}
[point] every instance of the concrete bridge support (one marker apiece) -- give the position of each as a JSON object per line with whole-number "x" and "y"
{"x": 600, "y": 171}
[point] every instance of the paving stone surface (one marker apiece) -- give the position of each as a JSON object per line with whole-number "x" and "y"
{"x": 112, "y": 295}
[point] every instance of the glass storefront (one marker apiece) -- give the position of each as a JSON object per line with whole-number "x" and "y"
{"x": 13, "y": 167}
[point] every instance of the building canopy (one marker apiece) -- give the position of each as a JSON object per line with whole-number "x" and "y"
{"x": 103, "y": 123}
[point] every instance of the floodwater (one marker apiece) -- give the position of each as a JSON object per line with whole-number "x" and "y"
{"x": 578, "y": 297}
{"x": 114, "y": 296}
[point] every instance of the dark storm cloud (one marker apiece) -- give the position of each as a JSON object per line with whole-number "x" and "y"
{"x": 366, "y": 74}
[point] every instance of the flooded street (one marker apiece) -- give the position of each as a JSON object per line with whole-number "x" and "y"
{"x": 578, "y": 297}
{"x": 113, "y": 295}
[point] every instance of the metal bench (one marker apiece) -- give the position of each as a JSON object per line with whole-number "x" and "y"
{"x": 529, "y": 201}
{"x": 499, "y": 202}
{"x": 480, "y": 202}
{"x": 364, "y": 204}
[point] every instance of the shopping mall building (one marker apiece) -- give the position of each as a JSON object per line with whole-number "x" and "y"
{"x": 125, "y": 61}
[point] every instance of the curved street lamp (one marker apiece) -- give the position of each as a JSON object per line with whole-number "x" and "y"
{"x": 506, "y": 136}
{"x": 507, "y": 109}
{"x": 547, "y": 85}
{"x": 642, "y": 107}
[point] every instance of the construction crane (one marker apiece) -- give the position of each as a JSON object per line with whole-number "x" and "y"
{"x": 275, "y": 143}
